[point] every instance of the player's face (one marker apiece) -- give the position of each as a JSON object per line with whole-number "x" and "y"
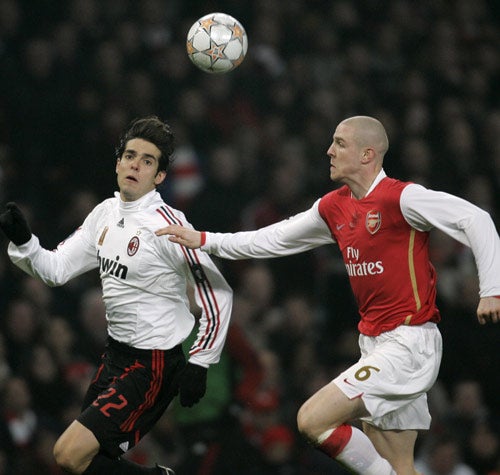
{"x": 136, "y": 169}
{"x": 344, "y": 154}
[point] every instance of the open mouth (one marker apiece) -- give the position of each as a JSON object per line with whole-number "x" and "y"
{"x": 131, "y": 178}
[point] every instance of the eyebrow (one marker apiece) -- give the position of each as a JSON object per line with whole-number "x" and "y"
{"x": 133, "y": 152}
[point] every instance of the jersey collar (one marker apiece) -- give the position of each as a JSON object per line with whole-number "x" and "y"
{"x": 141, "y": 203}
{"x": 381, "y": 175}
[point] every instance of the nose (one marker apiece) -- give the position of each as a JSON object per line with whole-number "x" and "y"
{"x": 330, "y": 152}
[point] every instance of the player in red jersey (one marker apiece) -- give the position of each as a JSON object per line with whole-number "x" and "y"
{"x": 382, "y": 228}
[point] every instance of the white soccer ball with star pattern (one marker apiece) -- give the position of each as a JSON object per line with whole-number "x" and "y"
{"x": 217, "y": 43}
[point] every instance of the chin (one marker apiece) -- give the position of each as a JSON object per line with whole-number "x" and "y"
{"x": 127, "y": 195}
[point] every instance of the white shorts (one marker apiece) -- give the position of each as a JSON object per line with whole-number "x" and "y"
{"x": 395, "y": 371}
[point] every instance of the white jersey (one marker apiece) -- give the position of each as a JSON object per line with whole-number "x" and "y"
{"x": 422, "y": 208}
{"x": 144, "y": 277}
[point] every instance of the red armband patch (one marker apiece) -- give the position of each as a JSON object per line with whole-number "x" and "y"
{"x": 203, "y": 238}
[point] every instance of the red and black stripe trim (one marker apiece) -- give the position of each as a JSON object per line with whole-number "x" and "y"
{"x": 157, "y": 365}
{"x": 203, "y": 286}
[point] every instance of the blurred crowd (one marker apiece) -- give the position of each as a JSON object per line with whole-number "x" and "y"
{"x": 251, "y": 149}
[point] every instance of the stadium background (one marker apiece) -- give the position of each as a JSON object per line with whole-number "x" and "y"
{"x": 250, "y": 150}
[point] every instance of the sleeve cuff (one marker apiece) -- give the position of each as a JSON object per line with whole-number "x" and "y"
{"x": 203, "y": 238}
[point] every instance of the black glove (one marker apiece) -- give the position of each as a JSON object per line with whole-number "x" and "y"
{"x": 14, "y": 225}
{"x": 192, "y": 384}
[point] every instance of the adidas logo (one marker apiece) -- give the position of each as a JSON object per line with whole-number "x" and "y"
{"x": 121, "y": 223}
{"x": 124, "y": 445}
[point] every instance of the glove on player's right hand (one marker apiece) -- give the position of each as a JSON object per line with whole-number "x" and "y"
{"x": 14, "y": 224}
{"x": 192, "y": 384}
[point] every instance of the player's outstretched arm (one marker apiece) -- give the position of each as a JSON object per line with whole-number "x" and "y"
{"x": 14, "y": 224}
{"x": 181, "y": 235}
{"x": 488, "y": 310}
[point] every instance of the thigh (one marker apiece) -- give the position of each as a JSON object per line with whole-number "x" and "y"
{"x": 392, "y": 377}
{"x": 100, "y": 381}
{"x": 327, "y": 408}
{"x": 77, "y": 446}
{"x": 133, "y": 394}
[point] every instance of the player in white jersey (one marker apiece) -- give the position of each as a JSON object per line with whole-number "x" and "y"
{"x": 381, "y": 226}
{"x": 144, "y": 281}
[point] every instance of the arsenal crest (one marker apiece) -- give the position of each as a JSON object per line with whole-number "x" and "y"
{"x": 133, "y": 246}
{"x": 373, "y": 221}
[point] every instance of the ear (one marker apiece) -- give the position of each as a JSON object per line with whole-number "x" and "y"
{"x": 117, "y": 164}
{"x": 368, "y": 155}
{"x": 160, "y": 176}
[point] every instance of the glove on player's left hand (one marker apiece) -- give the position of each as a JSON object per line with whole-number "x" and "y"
{"x": 14, "y": 225}
{"x": 192, "y": 384}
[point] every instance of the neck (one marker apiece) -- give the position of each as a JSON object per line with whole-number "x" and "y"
{"x": 359, "y": 188}
{"x": 361, "y": 184}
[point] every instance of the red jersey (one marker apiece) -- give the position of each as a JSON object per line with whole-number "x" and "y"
{"x": 387, "y": 260}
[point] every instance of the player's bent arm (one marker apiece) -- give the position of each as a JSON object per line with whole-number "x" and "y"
{"x": 472, "y": 226}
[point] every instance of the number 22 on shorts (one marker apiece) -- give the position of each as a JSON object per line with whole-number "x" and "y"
{"x": 110, "y": 405}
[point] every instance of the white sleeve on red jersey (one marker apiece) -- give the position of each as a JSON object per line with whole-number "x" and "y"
{"x": 425, "y": 209}
{"x": 300, "y": 233}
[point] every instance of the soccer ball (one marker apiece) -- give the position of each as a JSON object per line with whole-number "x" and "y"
{"x": 217, "y": 43}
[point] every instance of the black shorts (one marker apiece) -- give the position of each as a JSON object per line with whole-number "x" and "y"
{"x": 130, "y": 391}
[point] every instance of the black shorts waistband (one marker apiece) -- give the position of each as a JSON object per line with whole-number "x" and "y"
{"x": 124, "y": 348}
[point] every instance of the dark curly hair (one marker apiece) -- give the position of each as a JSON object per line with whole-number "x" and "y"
{"x": 154, "y": 130}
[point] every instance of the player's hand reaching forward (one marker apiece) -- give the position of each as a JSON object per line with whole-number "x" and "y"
{"x": 488, "y": 310}
{"x": 180, "y": 235}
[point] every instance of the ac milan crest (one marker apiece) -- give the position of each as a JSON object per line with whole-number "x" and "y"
{"x": 133, "y": 246}
{"x": 373, "y": 221}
